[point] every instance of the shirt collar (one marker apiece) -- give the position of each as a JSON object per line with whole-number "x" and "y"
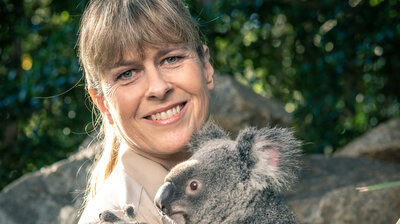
{"x": 145, "y": 171}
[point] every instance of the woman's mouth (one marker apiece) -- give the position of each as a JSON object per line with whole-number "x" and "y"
{"x": 166, "y": 114}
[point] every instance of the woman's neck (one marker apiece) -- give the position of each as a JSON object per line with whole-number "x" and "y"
{"x": 171, "y": 161}
{"x": 167, "y": 161}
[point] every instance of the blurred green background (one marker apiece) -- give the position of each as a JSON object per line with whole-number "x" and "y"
{"x": 334, "y": 64}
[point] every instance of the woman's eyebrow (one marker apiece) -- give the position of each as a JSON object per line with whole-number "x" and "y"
{"x": 165, "y": 51}
{"x": 124, "y": 63}
{"x": 160, "y": 53}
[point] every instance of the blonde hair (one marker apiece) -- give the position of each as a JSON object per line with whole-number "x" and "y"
{"x": 110, "y": 28}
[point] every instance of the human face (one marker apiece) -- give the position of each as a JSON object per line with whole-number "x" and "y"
{"x": 159, "y": 99}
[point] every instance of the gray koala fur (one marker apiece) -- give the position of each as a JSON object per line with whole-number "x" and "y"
{"x": 232, "y": 181}
{"x": 237, "y": 181}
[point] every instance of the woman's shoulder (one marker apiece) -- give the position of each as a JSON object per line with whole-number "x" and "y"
{"x": 134, "y": 181}
{"x": 115, "y": 193}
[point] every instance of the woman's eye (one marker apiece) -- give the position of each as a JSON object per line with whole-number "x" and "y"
{"x": 126, "y": 75}
{"x": 172, "y": 60}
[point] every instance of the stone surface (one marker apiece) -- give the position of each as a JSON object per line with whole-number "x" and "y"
{"x": 326, "y": 192}
{"x": 382, "y": 142}
{"x": 235, "y": 106}
{"x": 50, "y": 195}
{"x": 346, "y": 205}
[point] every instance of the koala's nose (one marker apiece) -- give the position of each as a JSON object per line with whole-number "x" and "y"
{"x": 163, "y": 197}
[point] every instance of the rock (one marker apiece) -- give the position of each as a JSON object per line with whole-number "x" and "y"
{"x": 50, "y": 195}
{"x": 5, "y": 218}
{"x": 235, "y": 106}
{"x": 326, "y": 192}
{"x": 382, "y": 142}
{"x": 346, "y": 205}
{"x": 66, "y": 213}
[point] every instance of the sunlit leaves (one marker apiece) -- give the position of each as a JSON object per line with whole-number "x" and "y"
{"x": 38, "y": 70}
{"x": 317, "y": 57}
{"x": 375, "y": 2}
{"x": 26, "y": 61}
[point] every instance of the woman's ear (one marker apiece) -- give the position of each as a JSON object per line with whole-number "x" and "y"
{"x": 102, "y": 104}
{"x": 208, "y": 68}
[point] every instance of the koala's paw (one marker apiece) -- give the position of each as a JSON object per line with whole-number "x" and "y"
{"x": 127, "y": 216}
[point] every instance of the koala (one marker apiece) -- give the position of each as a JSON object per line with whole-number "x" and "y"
{"x": 232, "y": 181}
{"x": 227, "y": 181}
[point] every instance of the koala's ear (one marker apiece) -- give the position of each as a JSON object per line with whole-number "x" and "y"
{"x": 208, "y": 132}
{"x": 271, "y": 155}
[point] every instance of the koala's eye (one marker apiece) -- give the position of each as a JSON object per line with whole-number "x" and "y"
{"x": 193, "y": 185}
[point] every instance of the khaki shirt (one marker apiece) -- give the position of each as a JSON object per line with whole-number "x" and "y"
{"x": 135, "y": 180}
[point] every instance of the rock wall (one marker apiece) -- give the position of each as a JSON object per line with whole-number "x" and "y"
{"x": 326, "y": 192}
{"x": 50, "y": 195}
{"x": 382, "y": 142}
{"x": 235, "y": 106}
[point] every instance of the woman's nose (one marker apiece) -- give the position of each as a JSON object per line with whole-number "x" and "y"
{"x": 158, "y": 87}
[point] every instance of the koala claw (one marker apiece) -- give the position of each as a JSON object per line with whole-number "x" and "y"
{"x": 108, "y": 216}
{"x": 111, "y": 216}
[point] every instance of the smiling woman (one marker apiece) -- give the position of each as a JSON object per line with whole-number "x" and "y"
{"x": 149, "y": 75}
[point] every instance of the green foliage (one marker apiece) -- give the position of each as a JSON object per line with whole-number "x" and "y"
{"x": 42, "y": 116}
{"x": 334, "y": 64}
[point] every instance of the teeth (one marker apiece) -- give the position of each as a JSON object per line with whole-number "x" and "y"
{"x": 166, "y": 114}
{"x": 169, "y": 113}
{"x": 163, "y": 115}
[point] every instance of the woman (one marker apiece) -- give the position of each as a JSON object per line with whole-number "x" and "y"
{"x": 149, "y": 75}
